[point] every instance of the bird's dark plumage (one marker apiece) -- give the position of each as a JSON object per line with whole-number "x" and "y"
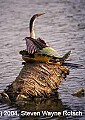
{"x": 34, "y": 45}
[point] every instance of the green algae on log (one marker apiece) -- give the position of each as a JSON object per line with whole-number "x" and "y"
{"x": 36, "y": 80}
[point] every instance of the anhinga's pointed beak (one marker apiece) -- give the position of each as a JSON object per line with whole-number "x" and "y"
{"x": 40, "y": 14}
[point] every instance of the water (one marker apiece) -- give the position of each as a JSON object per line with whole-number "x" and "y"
{"x": 63, "y": 27}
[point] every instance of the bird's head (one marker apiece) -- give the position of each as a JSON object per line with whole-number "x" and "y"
{"x": 34, "y": 17}
{"x": 31, "y": 25}
{"x": 37, "y": 15}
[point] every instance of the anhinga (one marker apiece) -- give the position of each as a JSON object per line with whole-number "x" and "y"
{"x": 38, "y": 49}
{"x": 33, "y": 44}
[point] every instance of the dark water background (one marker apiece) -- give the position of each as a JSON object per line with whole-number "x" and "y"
{"x": 63, "y": 27}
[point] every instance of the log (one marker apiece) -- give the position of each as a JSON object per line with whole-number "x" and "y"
{"x": 36, "y": 80}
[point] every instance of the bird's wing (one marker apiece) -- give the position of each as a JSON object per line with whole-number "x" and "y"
{"x": 40, "y": 43}
{"x": 34, "y": 45}
{"x": 31, "y": 47}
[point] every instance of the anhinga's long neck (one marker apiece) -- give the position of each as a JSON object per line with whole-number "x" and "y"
{"x": 31, "y": 26}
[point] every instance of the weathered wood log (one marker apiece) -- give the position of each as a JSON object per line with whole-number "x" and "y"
{"x": 37, "y": 104}
{"x": 36, "y": 80}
